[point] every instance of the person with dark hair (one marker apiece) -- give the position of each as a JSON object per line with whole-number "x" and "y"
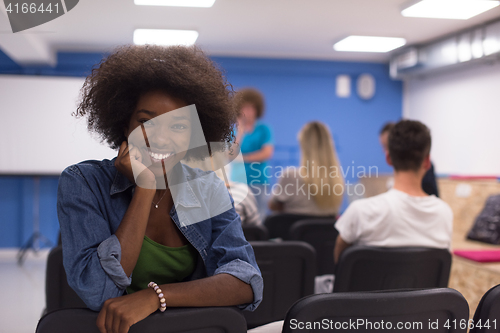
{"x": 144, "y": 231}
{"x": 256, "y": 143}
{"x": 405, "y": 215}
{"x": 429, "y": 184}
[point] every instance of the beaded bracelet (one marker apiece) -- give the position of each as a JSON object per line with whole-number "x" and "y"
{"x": 163, "y": 302}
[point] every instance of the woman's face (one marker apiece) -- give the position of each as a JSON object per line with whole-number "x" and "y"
{"x": 248, "y": 112}
{"x": 160, "y": 131}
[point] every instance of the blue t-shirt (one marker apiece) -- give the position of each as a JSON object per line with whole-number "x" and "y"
{"x": 252, "y": 142}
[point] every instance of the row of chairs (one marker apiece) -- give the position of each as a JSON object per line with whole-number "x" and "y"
{"x": 319, "y": 232}
{"x": 426, "y": 310}
{"x": 282, "y": 226}
{"x": 289, "y": 269}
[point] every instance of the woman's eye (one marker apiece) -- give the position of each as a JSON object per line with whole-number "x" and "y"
{"x": 146, "y": 122}
{"x": 179, "y": 127}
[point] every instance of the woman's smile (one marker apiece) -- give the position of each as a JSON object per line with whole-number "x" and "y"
{"x": 158, "y": 157}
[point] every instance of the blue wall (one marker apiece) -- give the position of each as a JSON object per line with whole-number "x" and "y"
{"x": 296, "y": 91}
{"x": 299, "y": 91}
{"x": 17, "y": 208}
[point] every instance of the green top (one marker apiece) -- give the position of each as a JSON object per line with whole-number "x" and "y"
{"x": 162, "y": 264}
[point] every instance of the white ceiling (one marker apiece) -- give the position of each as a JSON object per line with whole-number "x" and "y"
{"x": 305, "y": 29}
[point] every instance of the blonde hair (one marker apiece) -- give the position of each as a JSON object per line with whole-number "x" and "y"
{"x": 318, "y": 152}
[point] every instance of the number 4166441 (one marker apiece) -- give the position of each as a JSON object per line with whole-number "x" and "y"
{"x": 463, "y": 324}
{"x": 31, "y": 8}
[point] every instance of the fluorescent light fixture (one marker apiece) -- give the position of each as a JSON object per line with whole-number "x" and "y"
{"x": 477, "y": 44}
{"x": 449, "y": 53}
{"x": 176, "y": 3}
{"x": 490, "y": 45}
{"x": 369, "y": 44}
{"x": 449, "y": 9}
{"x": 464, "y": 50}
{"x": 165, "y": 37}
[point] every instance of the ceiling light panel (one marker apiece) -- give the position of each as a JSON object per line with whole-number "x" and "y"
{"x": 369, "y": 44}
{"x": 165, "y": 37}
{"x": 176, "y": 3}
{"x": 449, "y": 9}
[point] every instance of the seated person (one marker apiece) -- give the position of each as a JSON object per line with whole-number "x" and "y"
{"x": 244, "y": 200}
{"x": 246, "y": 205}
{"x": 317, "y": 186}
{"x": 405, "y": 215}
{"x": 143, "y": 231}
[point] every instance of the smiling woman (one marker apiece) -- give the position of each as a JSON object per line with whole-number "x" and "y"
{"x": 159, "y": 134}
{"x": 143, "y": 231}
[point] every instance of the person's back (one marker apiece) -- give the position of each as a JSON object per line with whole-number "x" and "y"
{"x": 405, "y": 215}
{"x": 317, "y": 186}
{"x": 245, "y": 204}
{"x": 395, "y": 218}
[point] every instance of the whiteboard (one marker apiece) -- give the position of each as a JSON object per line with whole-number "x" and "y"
{"x": 461, "y": 109}
{"x": 39, "y": 135}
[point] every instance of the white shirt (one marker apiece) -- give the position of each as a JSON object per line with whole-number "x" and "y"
{"x": 245, "y": 204}
{"x": 397, "y": 219}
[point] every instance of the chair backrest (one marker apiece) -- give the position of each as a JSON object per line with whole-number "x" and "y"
{"x": 424, "y": 310}
{"x": 288, "y": 269}
{"x": 255, "y": 232}
{"x": 186, "y": 320}
{"x": 375, "y": 268}
{"x": 487, "y": 315}
{"x": 321, "y": 234}
{"x": 58, "y": 294}
{"x": 279, "y": 225}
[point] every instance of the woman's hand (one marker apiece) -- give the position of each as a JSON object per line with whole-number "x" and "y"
{"x": 129, "y": 161}
{"x": 118, "y": 314}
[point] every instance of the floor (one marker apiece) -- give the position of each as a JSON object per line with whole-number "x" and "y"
{"x": 23, "y": 293}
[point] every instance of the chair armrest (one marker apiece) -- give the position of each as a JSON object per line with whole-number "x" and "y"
{"x": 174, "y": 320}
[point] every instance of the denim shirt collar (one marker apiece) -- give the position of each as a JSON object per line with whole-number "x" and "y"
{"x": 185, "y": 195}
{"x": 120, "y": 184}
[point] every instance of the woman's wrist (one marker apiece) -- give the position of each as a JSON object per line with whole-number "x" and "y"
{"x": 160, "y": 297}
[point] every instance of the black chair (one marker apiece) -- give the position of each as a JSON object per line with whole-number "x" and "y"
{"x": 487, "y": 315}
{"x": 58, "y": 293}
{"x": 279, "y": 225}
{"x": 66, "y": 312}
{"x": 377, "y": 268}
{"x": 321, "y": 234}
{"x": 427, "y": 310}
{"x": 181, "y": 320}
{"x": 255, "y": 232}
{"x": 288, "y": 269}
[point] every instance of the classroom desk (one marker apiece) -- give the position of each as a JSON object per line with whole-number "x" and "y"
{"x": 471, "y": 278}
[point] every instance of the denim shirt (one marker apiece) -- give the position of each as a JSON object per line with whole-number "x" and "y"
{"x": 92, "y": 199}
